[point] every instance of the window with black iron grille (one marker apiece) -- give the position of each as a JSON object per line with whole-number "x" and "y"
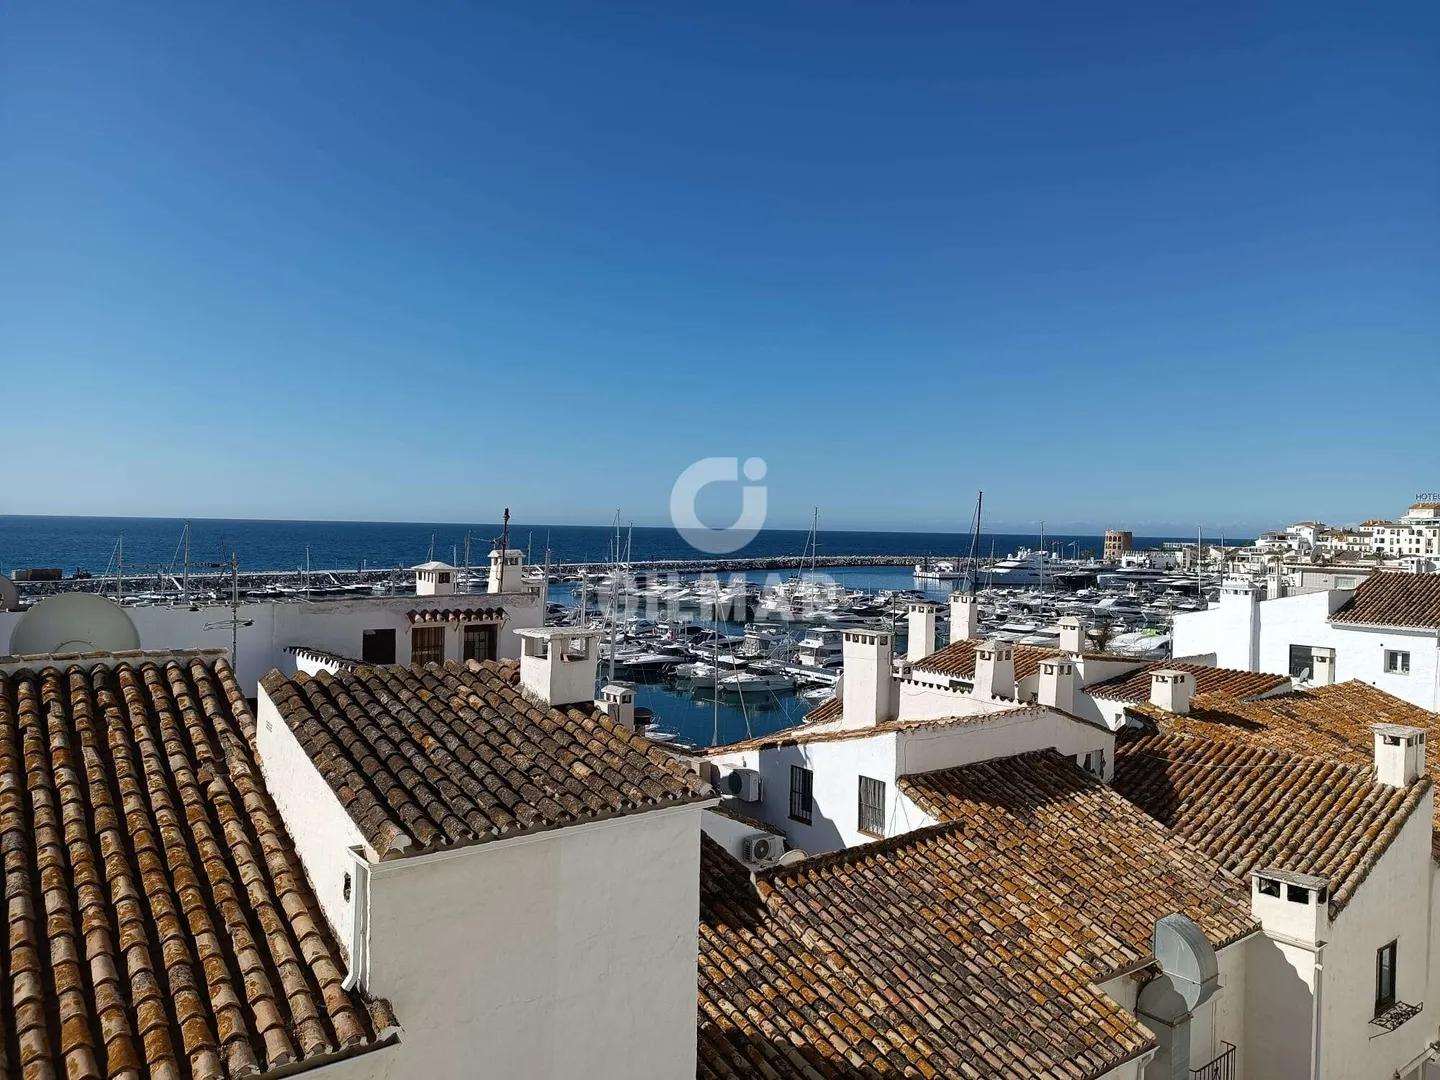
{"x": 427, "y": 645}
{"x": 872, "y": 806}
{"x": 1385, "y": 978}
{"x": 802, "y": 799}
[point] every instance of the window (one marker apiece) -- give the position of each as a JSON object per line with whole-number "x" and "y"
{"x": 479, "y": 643}
{"x": 1302, "y": 661}
{"x": 377, "y": 646}
{"x": 1397, "y": 662}
{"x": 872, "y": 806}
{"x": 1385, "y": 978}
{"x": 427, "y": 645}
{"x": 443, "y": 577}
{"x": 802, "y": 798}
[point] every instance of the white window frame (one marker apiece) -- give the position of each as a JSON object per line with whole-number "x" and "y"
{"x": 1397, "y": 662}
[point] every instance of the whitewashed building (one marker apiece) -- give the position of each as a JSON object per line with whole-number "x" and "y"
{"x": 438, "y": 623}
{"x": 1384, "y": 632}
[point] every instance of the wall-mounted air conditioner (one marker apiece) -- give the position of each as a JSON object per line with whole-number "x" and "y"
{"x": 743, "y": 784}
{"x": 762, "y": 848}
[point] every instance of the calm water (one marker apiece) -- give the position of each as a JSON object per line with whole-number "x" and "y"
{"x": 88, "y": 543}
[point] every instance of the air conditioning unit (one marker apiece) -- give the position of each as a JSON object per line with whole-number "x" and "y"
{"x": 744, "y": 784}
{"x": 762, "y": 848}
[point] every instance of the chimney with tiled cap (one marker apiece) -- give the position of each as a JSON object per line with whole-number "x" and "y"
{"x": 1072, "y": 635}
{"x": 1171, "y": 690}
{"x": 994, "y": 670}
{"x": 964, "y": 616}
{"x": 1057, "y": 683}
{"x": 1399, "y": 754}
{"x": 920, "y": 640}
{"x": 558, "y": 664}
{"x": 618, "y": 703}
{"x": 865, "y": 689}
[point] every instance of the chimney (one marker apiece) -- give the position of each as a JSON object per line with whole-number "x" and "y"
{"x": 1171, "y": 690}
{"x": 920, "y": 642}
{"x": 1072, "y": 635}
{"x": 964, "y": 618}
{"x": 1322, "y": 667}
{"x": 434, "y": 579}
{"x": 506, "y": 571}
{"x": 1290, "y": 905}
{"x": 618, "y": 703}
{"x": 558, "y": 664}
{"x": 865, "y": 686}
{"x": 1057, "y": 683}
{"x": 1399, "y": 754}
{"x": 1239, "y": 627}
{"x": 994, "y": 670}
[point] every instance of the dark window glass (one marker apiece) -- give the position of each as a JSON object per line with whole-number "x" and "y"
{"x": 427, "y": 645}
{"x": 378, "y": 646}
{"x": 802, "y": 799}
{"x": 1302, "y": 661}
{"x": 479, "y": 643}
{"x": 1385, "y": 978}
{"x": 872, "y": 806}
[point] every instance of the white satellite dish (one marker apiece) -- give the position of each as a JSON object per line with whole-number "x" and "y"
{"x": 73, "y": 622}
{"x": 9, "y": 595}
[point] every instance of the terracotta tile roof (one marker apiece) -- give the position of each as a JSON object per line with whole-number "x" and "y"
{"x": 812, "y": 733}
{"x": 1328, "y": 721}
{"x": 157, "y": 921}
{"x": 426, "y": 757}
{"x": 1393, "y": 599}
{"x": 958, "y": 659}
{"x": 1249, "y": 806}
{"x": 434, "y": 615}
{"x": 829, "y": 709}
{"x": 953, "y": 951}
{"x": 1134, "y": 686}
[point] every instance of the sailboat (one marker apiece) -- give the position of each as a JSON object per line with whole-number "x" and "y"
{"x": 958, "y": 569}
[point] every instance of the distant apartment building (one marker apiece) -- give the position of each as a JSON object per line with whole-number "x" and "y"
{"x": 1117, "y": 543}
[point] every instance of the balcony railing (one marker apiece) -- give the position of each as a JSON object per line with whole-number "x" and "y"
{"x": 1221, "y": 1068}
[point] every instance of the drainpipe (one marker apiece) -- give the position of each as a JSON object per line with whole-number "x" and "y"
{"x": 1316, "y": 1012}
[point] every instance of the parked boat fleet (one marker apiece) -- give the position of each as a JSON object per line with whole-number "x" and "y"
{"x": 737, "y": 638}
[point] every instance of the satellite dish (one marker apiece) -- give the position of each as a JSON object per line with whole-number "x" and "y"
{"x": 791, "y": 857}
{"x": 9, "y": 595}
{"x": 74, "y": 622}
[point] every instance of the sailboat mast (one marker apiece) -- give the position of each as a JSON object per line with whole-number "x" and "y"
{"x": 185, "y": 587}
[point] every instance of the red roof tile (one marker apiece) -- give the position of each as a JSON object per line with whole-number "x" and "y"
{"x": 955, "y": 951}
{"x": 1250, "y": 807}
{"x": 425, "y": 756}
{"x": 1134, "y": 686}
{"x": 158, "y": 921}
{"x": 1394, "y": 599}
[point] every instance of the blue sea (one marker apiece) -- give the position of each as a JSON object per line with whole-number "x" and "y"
{"x": 88, "y": 543}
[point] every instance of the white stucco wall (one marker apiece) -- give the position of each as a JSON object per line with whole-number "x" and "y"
{"x": 887, "y": 755}
{"x": 560, "y": 955}
{"x": 836, "y": 767}
{"x": 1392, "y": 905}
{"x": 335, "y": 626}
{"x": 321, "y": 829}
{"x": 728, "y": 833}
{"x": 1304, "y": 620}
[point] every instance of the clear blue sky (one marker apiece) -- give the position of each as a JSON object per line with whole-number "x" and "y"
{"x": 1141, "y": 265}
